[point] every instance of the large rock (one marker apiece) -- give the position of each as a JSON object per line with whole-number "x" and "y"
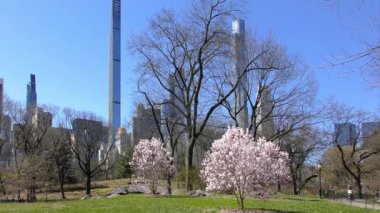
{"x": 138, "y": 189}
{"x": 120, "y": 191}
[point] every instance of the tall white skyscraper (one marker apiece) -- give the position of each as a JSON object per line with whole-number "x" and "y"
{"x": 239, "y": 54}
{"x": 114, "y": 78}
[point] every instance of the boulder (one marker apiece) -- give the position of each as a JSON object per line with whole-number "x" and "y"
{"x": 138, "y": 189}
{"x": 120, "y": 191}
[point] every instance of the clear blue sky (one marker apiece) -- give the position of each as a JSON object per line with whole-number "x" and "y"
{"x": 66, "y": 44}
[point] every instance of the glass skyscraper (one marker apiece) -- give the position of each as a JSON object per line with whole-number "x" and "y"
{"x": 114, "y": 78}
{"x": 31, "y": 94}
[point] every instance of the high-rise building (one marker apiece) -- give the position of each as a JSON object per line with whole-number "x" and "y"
{"x": 144, "y": 124}
{"x": 264, "y": 117}
{"x": 91, "y": 135}
{"x": 121, "y": 141}
{"x": 42, "y": 118}
{"x": 172, "y": 119}
{"x": 114, "y": 72}
{"x": 239, "y": 55}
{"x": 370, "y": 133}
{"x": 31, "y": 95}
{"x": 370, "y": 128}
{"x": 1, "y": 95}
{"x": 345, "y": 133}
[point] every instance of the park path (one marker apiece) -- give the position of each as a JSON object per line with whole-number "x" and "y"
{"x": 359, "y": 203}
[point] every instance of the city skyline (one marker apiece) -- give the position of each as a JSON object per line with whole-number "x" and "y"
{"x": 67, "y": 55}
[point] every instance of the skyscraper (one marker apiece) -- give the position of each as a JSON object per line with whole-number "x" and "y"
{"x": 346, "y": 133}
{"x": 31, "y": 95}
{"x": 370, "y": 133}
{"x": 114, "y": 78}
{"x": 144, "y": 123}
{"x": 1, "y": 95}
{"x": 264, "y": 115}
{"x": 239, "y": 54}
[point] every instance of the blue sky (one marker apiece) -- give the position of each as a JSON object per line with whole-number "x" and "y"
{"x": 66, "y": 44}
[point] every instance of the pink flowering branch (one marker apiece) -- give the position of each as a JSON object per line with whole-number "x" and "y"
{"x": 238, "y": 163}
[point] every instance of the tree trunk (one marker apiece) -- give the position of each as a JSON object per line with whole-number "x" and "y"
{"x": 241, "y": 203}
{"x": 2, "y": 187}
{"x": 278, "y": 187}
{"x": 294, "y": 181}
{"x": 88, "y": 185}
{"x": 189, "y": 167}
{"x": 295, "y": 191}
{"x": 240, "y": 200}
{"x": 169, "y": 185}
{"x": 170, "y": 181}
{"x": 61, "y": 182}
{"x": 19, "y": 195}
{"x": 360, "y": 187}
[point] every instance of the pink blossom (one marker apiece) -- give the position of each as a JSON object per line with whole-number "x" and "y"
{"x": 238, "y": 163}
{"x": 151, "y": 162}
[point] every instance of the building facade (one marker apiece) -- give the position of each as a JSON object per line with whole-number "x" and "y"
{"x": 144, "y": 124}
{"x": 264, "y": 116}
{"x": 346, "y": 133}
{"x": 1, "y": 96}
{"x": 114, "y": 71}
{"x": 31, "y": 95}
{"x": 239, "y": 56}
{"x": 371, "y": 133}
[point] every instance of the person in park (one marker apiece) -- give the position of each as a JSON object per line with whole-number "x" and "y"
{"x": 349, "y": 193}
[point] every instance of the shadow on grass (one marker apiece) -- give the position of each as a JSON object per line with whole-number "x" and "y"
{"x": 171, "y": 196}
{"x": 249, "y": 210}
{"x": 299, "y": 199}
{"x": 276, "y": 211}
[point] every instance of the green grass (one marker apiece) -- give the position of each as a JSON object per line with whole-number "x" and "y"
{"x": 146, "y": 203}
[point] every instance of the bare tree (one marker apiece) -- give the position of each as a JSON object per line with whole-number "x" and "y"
{"x": 196, "y": 50}
{"x": 279, "y": 94}
{"x": 333, "y": 170}
{"x": 348, "y": 140}
{"x": 302, "y": 146}
{"x": 30, "y": 128}
{"x": 367, "y": 60}
{"x": 59, "y": 154}
{"x": 87, "y": 136}
{"x": 5, "y": 140}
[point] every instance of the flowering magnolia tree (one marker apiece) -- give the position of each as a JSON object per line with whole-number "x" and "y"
{"x": 238, "y": 163}
{"x": 152, "y": 162}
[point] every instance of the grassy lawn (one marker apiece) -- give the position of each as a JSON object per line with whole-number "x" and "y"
{"x": 146, "y": 203}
